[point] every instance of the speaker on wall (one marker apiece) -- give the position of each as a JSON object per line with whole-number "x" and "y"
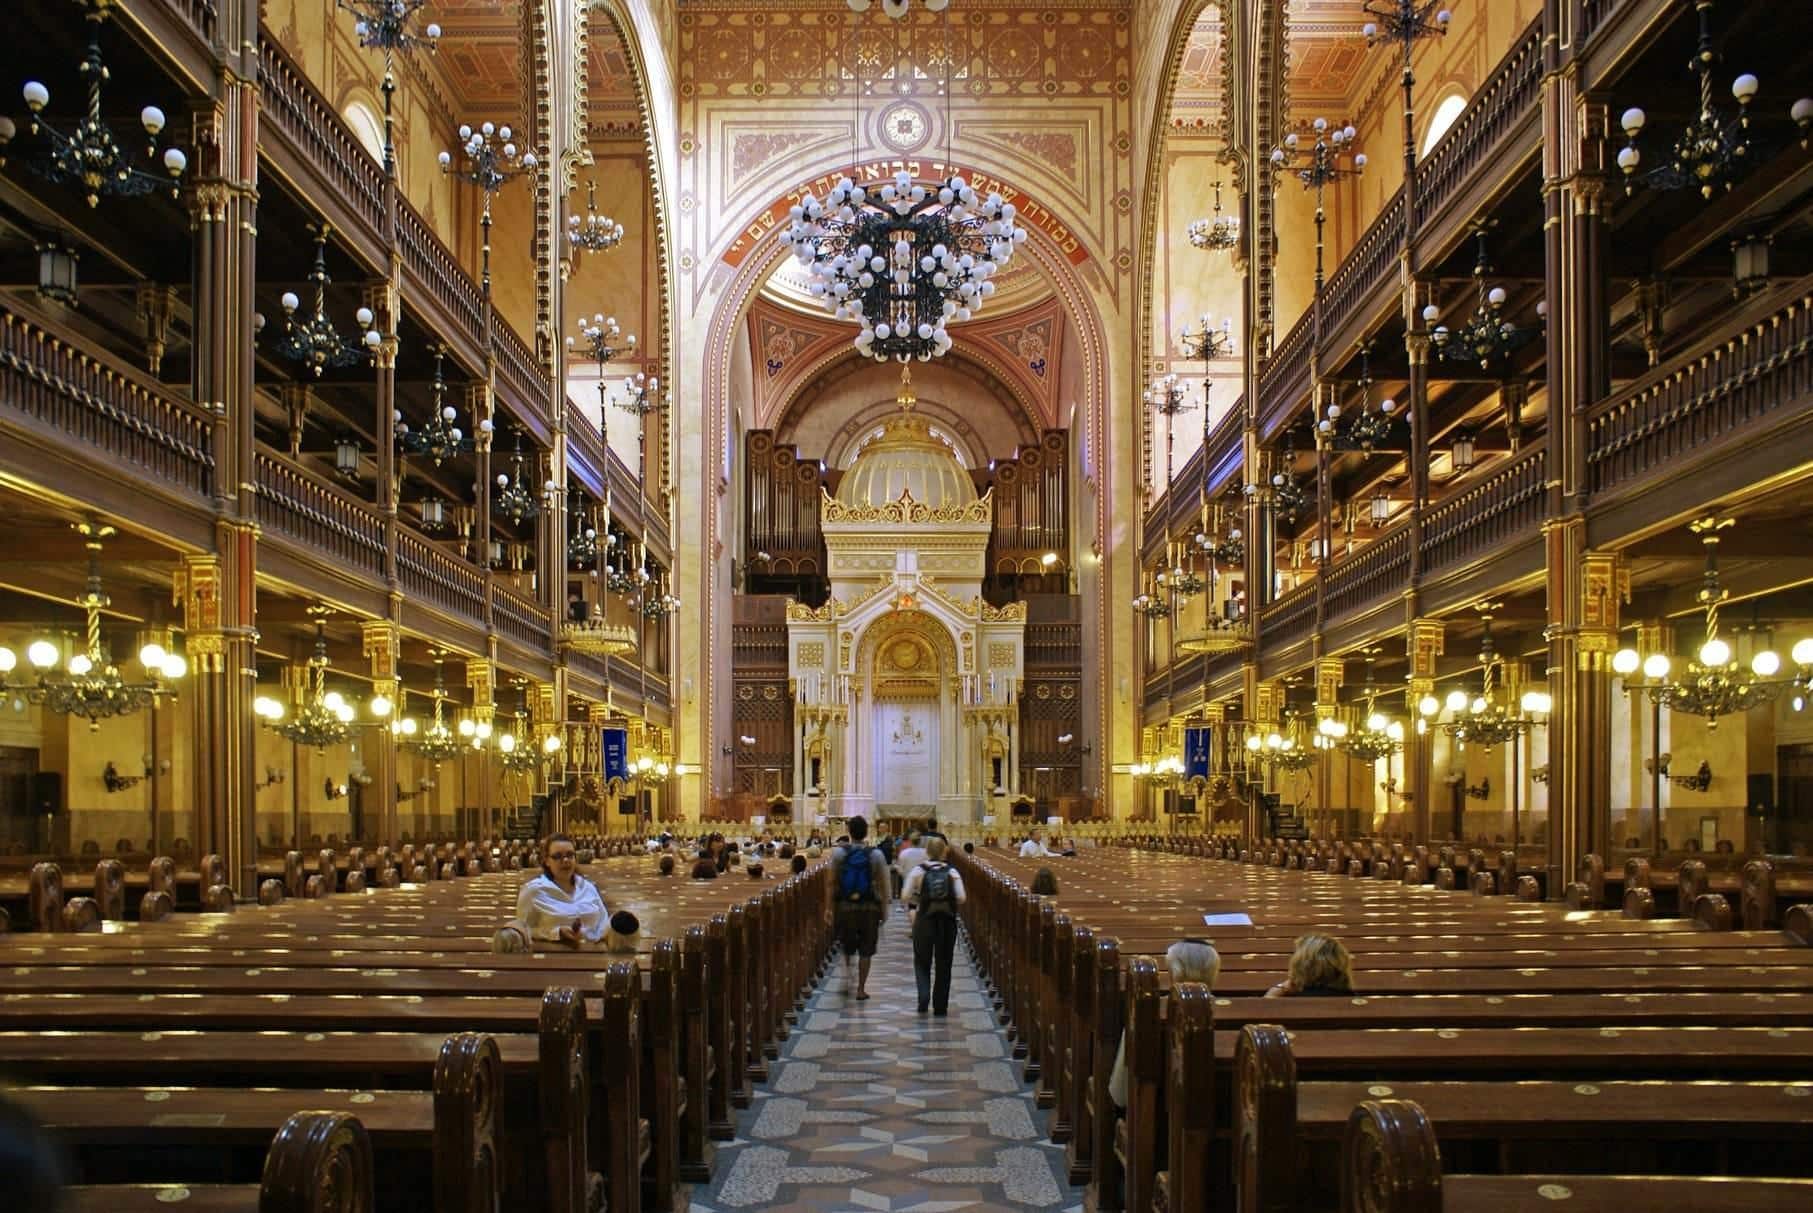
{"x": 47, "y": 792}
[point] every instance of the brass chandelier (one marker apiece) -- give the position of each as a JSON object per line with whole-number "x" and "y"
{"x": 1715, "y": 683}
{"x": 1488, "y": 719}
{"x": 312, "y": 339}
{"x": 437, "y": 742}
{"x": 440, "y": 439}
{"x": 1218, "y": 233}
{"x": 325, "y": 718}
{"x": 87, "y": 683}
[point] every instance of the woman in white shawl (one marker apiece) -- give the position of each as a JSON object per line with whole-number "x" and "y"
{"x": 560, "y": 906}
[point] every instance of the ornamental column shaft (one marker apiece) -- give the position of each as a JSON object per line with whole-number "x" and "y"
{"x": 381, "y": 642}
{"x": 1424, "y": 644}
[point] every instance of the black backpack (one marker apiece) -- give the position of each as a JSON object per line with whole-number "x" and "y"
{"x": 938, "y": 889}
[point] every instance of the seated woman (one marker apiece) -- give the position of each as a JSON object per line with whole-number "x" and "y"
{"x": 1045, "y": 884}
{"x": 705, "y": 869}
{"x": 665, "y": 865}
{"x": 797, "y": 864}
{"x": 1320, "y": 965}
{"x": 624, "y": 932}
{"x": 560, "y": 906}
{"x": 1188, "y": 960}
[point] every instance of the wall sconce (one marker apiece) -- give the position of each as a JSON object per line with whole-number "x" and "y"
{"x": 1381, "y": 509}
{"x": 1749, "y": 264}
{"x": 346, "y": 456}
{"x": 434, "y": 513}
{"x": 272, "y": 777}
{"x": 1540, "y": 774}
{"x": 1658, "y": 765}
{"x": 1482, "y": 791}
{"x": 494, "y": 552}
{"x": 1461, "y": 453}
{"x": 1699, "y": 781}
{"x": 57, "y": 271}
{"x": 117, "y": 782}
{"x": 332, "y": 790}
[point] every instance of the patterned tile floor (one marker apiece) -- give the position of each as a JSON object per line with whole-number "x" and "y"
{"x": 875, "y": 1108}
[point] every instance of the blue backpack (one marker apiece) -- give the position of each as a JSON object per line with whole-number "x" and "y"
{"x": 855, "y": 880}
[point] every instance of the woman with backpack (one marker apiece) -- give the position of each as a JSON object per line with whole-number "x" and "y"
{"x": 859, "y": 883}
{"x": 933, "y": 892}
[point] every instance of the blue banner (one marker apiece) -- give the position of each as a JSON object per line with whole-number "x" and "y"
{"x": 616, "y": 754}
{"x": 1196, "y": 743}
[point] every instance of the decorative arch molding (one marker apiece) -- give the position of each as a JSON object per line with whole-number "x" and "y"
{"x": 632, "y": 34}
{"x": 739, "y": 287}
{"x": 839, "y": 364}
{"x": 949, "y": 424}
{"x": 873, "y": 628}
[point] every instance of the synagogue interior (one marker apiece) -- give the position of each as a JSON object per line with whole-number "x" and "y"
{"x": 1329, "y": 470}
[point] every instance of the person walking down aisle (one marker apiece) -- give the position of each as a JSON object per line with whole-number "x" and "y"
{"x": 933, "y": 892}
{"x": 859, "y": 882}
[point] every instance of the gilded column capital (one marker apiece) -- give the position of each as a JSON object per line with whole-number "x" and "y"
{"x": 1416, "y": 345}
{"x": 1423, "y": 643}
{"x": 1330, "y": 672}
{"x": 1604, "y": 587}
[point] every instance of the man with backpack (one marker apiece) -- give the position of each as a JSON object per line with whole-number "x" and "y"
{"x": 860, "y": 887}
{"x": 933, "y": 892}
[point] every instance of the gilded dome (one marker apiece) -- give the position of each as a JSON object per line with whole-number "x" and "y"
{"x": 906, "y": 457}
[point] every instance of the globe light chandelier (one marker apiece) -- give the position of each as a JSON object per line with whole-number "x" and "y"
{"x": 1286, "y": 748}
{"x": 514, "y": 499}
{"x": 657, "y": 602}
{"x": 1218, "y": 232}
{"x": 1208, "y": 343}
{"x": 490, "y": 160}
{"x": 896, "y": 9}
{"x": 437, "y": 743}
{"x": 1715, "y": 683}
{"x": 1288, "y": 498}
{"x": 1166, "y": 397}
{"x": 602, "y": 340}
{"x": 1318, "y": 166}
{"x": 312, "y": 339}
{"x": 1154, "y": 601}
{"x": 1405, "y": 22}
{"x": 641, "y": 397}
{"x": 1367, "y": 428}
{"x": 618, "y": 577}
{"x": 582, "y": 540}
{"x": 1370, "y": 735}
{"x": 903, "y": 259}
{"x": 1222, "y": 543}
{"x": 1488, "y": 719}
{"x": 388, "y": 26}
{"x": 516, "y": 750}
{"x": 440, "y": 439}
{"x": 1713, "y": 152}
{"x": 325, "y": 717}
{"x": 86, "y": 682}
{"x": 592, "y": 232}
{"x": 89, "y": 155}
{"x": 1487, "y": 337}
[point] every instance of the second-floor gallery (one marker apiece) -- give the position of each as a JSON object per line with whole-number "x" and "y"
{"x": 445, "y": 418}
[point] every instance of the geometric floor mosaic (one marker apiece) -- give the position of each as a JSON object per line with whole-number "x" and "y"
{"x": 873, "y": 1108}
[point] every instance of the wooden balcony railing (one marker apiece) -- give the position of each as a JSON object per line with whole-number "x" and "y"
{"x": 1291, "y": 618}
{"x": 438, "y": 578}
{"x": 303, "y": 116}
{"x": 1371, "y": 263}
{"x": 319, "y": 515}
{"x": 519, "y": 377}
{"x": 1506, "y": 505}
{"x": 1377, "y": 571}
{"x": 1757, "y": 366}
{"x": 140, "y": 425}
{"x": 1286, "y": 375}
{"x": 1511, "y": 93}
{"x": 519, "y": 619}
{"x": 438, "y": 273}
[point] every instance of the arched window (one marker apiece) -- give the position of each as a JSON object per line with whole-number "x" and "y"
{"x": 368, "y": 127}
{"x": 1446, "y": 112}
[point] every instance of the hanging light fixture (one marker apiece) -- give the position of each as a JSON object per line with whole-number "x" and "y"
{"x": 1154, "y": 602}
{"x": 89, "y": 156}
{"x": 346, "y": 456}
{"x": 1370, "y": 734}
{"x": 642, "y": 396}
{"x": 1166, "y": 398}
{"x": 57, "y": 281}
{"x": 1712, "y": 152}
{"x": 603, "y": 341}
{"x": 440, "y": 439}
{"x": 1486, "y": 337}
{"x": 1715, "y": 683}
{"x": 1461, "y": 452}
{"x": 386, "y": 25}
{"x": 1208, "y": 342}
{"x": 657, "y": 603}
{"x": 618, "y": 577}
{"x": 1288, "y": 498}
{"x": 1381, "y": 508}
{"x": 903, "y": 259}
{"x": 1318, "y": 166}
{"x": 434, "y": 513}
{"x": 1367, "y": 428}
{"x": 1218, "y": 233}
{"x": 313, "y": 340}
{"x": 325, "y": 717}
{"x": 582, "y": 540}
{"x": 1487, "y": 719}
{"x": 1750, "y": 264}
{"x": 514, "y": 499}
{"x": 491, "y": 161}
{"x": 896, "y": 9}
{"x": 1287, "y": 747}
{"x": 514, "y": 748}
{"x": 437, "y": 742}
{"x": 593, "y": 232}
{"x": 86, "y": 683}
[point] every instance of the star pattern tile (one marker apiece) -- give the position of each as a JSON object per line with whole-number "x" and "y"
{"x": 872, "y": 1108}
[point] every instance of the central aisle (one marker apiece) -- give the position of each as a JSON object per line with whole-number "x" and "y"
{"x": 874, "y": 1107}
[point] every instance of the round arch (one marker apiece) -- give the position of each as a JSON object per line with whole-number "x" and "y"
{"x": 840, "y": 364}
{"x": 727, "y": 319}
